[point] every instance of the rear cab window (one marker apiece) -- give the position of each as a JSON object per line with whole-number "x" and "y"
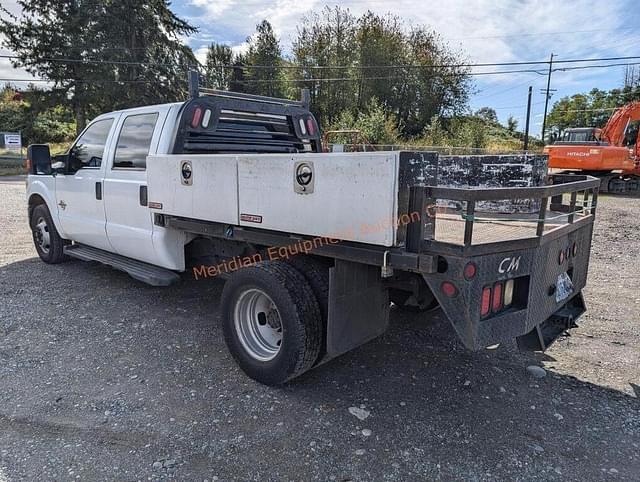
{"x": 134, "y": 141}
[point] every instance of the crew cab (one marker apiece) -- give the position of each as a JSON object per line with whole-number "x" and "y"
{"x": 315, "y": 246}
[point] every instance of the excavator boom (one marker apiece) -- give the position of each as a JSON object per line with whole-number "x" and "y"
{"x": 616, "y": 131}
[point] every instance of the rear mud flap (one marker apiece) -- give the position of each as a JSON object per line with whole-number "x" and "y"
{"x": 358, "y": 307}
{"x": 544, "y": 334}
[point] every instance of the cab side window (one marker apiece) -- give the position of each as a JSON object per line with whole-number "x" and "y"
{"x": 89, "y": 148}
{"x": 134, "y": 141}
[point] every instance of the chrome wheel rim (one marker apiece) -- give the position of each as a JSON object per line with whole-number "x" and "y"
{"x": 258, "y": 324}
{"x": 42, "y": 235}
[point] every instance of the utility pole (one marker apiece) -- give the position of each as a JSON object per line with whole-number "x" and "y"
{"x": 526, "y": 129}
{"x": 547, "y": 95}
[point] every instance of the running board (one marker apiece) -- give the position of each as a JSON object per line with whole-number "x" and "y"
{"x": 147, "y": 273}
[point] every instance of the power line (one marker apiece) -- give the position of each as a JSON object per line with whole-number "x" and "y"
{"x": 582, "y": 67}
{"x": 334, "y": 67}
{"x": 89, "y": 81}
{"x": 563, "y": 111}
{"x": 338, "y": 79}
{"x": 535, "y": 34}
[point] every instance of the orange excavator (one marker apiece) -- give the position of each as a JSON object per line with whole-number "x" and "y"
{"x": 611, "y": 153}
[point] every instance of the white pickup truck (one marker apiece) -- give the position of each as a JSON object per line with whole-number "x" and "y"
{"x": 314, "y": 246}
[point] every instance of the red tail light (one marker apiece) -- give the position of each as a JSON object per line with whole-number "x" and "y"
{"x": 197, "y": 115}
{"x": 28, "y": 165}
{"x": 311, "y": 127}
{"x": 470, "y": 270}
{"x": 449, "y": 289}
{"x": 496, "y": 303}
{"x": 485, "y": 305}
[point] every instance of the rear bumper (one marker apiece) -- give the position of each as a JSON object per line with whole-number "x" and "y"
{"x": 537, "y": 308}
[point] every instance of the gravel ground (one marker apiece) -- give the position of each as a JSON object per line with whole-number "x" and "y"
{"x": 103, "y": 377}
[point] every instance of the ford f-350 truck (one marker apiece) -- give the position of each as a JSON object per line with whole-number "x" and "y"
{"x": 314, "y": 246}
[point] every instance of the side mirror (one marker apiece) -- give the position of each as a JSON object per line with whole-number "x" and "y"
{"x": 39, "y": 159}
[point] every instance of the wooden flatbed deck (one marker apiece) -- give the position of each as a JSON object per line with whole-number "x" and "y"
{"x": 491, "y": 227}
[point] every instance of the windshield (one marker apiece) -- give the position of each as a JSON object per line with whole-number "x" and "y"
{"x": 578, "y": 136}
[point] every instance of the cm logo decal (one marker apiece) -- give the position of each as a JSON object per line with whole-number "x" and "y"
{"x": 509, "y": 265}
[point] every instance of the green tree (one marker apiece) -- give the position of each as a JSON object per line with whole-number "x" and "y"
{"x": 592, "y": 109}
{"x": 23, "y": 111}
{"x": 264, "y": 62}
{"x": 380, "y": 41}
{"x": 376, "y": 126}
{"x": 487, "y": 114}
{"x": 512, "y": 124}
{"x": 116, "y": 54}
{"x": 217, "y": 71}
{"x": 325, "y": 49}
{"x": 412, "y": 73}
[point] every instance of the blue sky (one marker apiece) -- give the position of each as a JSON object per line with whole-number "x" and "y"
{"x": 484, "y": 31}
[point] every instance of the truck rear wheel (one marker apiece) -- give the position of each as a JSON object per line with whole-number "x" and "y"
{"x": 271, "y": 322}
{"x": 316, "y": 272}
{"x": 48, "y": 243}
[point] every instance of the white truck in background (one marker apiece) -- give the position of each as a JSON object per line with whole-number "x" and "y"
{"x": 313, "y": 245}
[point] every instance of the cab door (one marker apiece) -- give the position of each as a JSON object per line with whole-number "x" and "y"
{"x": 79, "y": 191}
{"x": 129, "y": 222}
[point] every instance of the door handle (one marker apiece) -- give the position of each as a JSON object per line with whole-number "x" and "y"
{"x": 98, "y": 190}
{"x": 143, "y": 196}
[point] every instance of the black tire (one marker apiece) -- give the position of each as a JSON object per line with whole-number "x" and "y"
{"x": 406, "y": 301}
{"x": 316, "y": 272}
{"x": 298, "y": 313}
{"x": 48, "y": 243}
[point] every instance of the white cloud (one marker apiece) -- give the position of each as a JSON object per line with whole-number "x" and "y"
{"x": 484, "y": 30}
{"x": 214, "y": 8}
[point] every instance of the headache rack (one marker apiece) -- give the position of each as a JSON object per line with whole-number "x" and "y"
{"x": 465, "y": 221}
{"x": 221, "y": 122}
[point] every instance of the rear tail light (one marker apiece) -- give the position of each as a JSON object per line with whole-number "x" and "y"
{"x": 206, "y": 118}
{"x": 502, "y": 295}
{"x": 508, "y": 293}
{"x": 311, "y": 127}
{"x": 485, "y": 305}
{"x": 197, "y": 115}
{"x": 470, "y": 271}
{"x": 28, "y": 165}
{"x": 303, "y": 128}
{"x": 449, "y": 289}
{"x": 496, "y": 301}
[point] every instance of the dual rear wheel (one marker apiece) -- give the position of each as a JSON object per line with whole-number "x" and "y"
{"x": 272, "y": 322}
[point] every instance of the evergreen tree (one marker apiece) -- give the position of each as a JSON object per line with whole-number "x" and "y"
{"x": 264, "y": 62}
{"x": 101, "y": 55}
{"x": 217, "y": 71}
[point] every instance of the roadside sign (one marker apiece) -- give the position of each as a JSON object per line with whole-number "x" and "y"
{"x": 12, "y": 142}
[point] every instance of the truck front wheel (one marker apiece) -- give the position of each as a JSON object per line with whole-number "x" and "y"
{"x": 48, "y": 243}
{"x": 271, "y": 322}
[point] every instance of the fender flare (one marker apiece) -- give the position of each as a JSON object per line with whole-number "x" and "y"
{"x": 38, "y": 194}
